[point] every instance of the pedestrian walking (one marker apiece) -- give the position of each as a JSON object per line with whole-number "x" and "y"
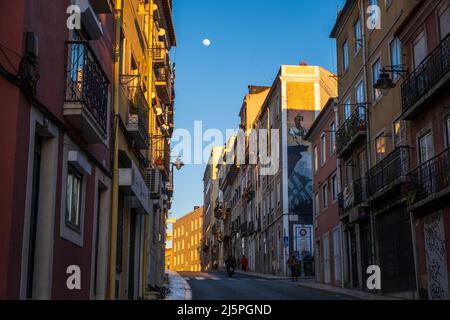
{"x": 244, "y": 263}
{"x": 293, "y": 265}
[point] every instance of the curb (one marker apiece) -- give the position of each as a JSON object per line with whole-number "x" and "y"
{"x": 348, "y": 293}
{"x": 184, "y": 286}
{"x": 260, "y": 276}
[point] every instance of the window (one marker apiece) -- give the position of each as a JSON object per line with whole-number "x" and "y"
{"x": 347, "y": 109}
{"x": 332, "y": 138}
{"x": 358, "y": 37}
{"x": 396, "y": 56}
{"x": 444, "y": 22}
{"x": 397, "y": 132}
{"x": 325, "y": 196}
{"x": 334, "y": 188}
{"x": 317, "y": 204}
{"x": 345, "y": 55}
{"x": 73, "y": 200}
{"x": 419, "y": 49}
{"x": 374, "y": 13}
{"x": 316, "y": 159}
{"x": 380, "y": 147}
{"x": 426, "y": 149}
{"x": 360, "y": 100}
{"x": 376, "y": 67}
{"x": 323, "y": 149}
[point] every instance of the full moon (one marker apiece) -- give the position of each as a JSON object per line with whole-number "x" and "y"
{"x": 206, "y": 42}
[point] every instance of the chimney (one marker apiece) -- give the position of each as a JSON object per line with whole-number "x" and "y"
{"x": 303, "y": 63}
{"x": 196, "y": 208}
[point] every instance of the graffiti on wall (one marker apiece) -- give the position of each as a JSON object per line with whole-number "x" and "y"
{"x": 436, "y": 257}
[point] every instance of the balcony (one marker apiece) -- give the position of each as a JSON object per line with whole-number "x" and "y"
{"x": 388, "y": 174}
{"x": 432, "y": 75}
{"x": 137, "y": 120}
{"x": 86, "y": 101}
{"x": 164, "y": 83}
{"x": 352, "y": 197}
{"x": 430, "y": 183}
{"x": 251, "y": 227}
{"x": 244, "y": 228}
{"x": 351, "y": 132}
{"x": 218, "y": 210}
{"x": 161, "y": 155}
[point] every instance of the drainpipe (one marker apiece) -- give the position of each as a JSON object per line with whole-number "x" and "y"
{"x": 367, "y": 112}
{"x": 115, "y": 184}
{"x": 150, "y": 122}
{"x": 338, "y": 178}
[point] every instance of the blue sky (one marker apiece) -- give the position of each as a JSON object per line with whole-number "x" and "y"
{"x": 250, "y": 39}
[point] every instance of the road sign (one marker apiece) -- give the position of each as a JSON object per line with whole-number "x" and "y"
{"x": 286, "y": 242}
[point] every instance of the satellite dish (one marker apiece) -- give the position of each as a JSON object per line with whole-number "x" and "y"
{"x": 162, "y": 32}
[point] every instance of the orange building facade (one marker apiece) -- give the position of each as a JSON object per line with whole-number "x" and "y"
{"x": 187, "y": 236}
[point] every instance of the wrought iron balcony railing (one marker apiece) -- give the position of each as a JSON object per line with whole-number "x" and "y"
{"x": 432, "y": 69}
{"x": 86, "y": 81}
{"x": 244, "y": 228}
{"x": 352, "y": 196}
{"x": 164, "y": 83}
{"x": 385, "y": 173}
{"x": 251, "y": 227}
{"x": 430, "y": 179}
{"x": 137, "y": 120}
{"x": 351, "y": 129}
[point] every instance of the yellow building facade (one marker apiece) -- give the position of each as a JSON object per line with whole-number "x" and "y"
{"x": 187, "y": 236}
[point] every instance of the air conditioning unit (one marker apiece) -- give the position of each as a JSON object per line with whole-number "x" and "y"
{"x": 160, "y": 51}
{"x": 154, "y": 182}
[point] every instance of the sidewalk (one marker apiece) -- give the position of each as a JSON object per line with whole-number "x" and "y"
{"x": 356, "y": 294}
{"x": 179, "y": 289}
{"x": 267, "y": 276}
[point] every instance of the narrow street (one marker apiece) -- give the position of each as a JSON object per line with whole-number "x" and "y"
{"x": 218, "y": 286}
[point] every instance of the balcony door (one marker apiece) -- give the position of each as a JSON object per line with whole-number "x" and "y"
{"x": 427, "y": 169}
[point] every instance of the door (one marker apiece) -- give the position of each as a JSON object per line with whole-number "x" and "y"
{"x": 436, "y": 257}
{"x": 132, "y": 257}
{"x": 337, "y": 254}
{"x": 326, "y": 258}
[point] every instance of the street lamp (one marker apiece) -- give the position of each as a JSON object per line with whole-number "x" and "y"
{"x": 178, "y": 163}
{"x": 385, "y": 82}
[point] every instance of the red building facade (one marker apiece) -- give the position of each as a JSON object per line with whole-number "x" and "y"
{"x": 326, "y": 188}
{"x": 425, "y": 38}
{"x": 55, "y": 85}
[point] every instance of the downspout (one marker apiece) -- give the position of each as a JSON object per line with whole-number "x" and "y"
{"x": 147, "y": 223}
{"x": 367, "y": 112}
{"x": 118, "y": 17}
{"x": 338, "y": 177}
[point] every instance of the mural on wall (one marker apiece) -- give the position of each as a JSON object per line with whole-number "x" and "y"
{"x": 300, "y": 165}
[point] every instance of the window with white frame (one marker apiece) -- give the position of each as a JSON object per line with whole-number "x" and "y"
{"x": 73, "y": 199}
{"x": 444, "y": 21}
{"x": 316, "y": 159}
{"x": 376, "y": 67}
{"x": 420, "y": 49}
{"x": 317, "y": 204}
{"x": 380, "y": 147}
{"x": 325, "y": 196}
{"x": 426, "y": 149}
{"x": 358, "y": 35}
{"x": 334, "y": 188}
{"x": 396, "y": 56}
{"x": 360, "y": 100}
{"x": 347, "y": 109}
{"x": 397, "y": 132}
{"x": 332, "y": 137}
{"x": 323, "y": 148}
{"x": 345, "y": 58}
